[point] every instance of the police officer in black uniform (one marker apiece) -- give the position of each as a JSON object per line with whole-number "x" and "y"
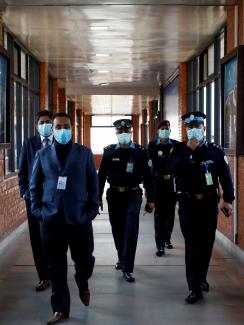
{"x": 125, "y": 165}
{"x": 199, "y": 167}
{"x": 165, "y": 196}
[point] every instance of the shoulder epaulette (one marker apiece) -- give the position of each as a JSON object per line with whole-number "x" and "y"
{"x": 111, "y": 146}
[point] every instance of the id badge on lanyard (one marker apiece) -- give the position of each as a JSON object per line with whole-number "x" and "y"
{"x": 129, "y": 167}
{"x": 61, "y": 185}
{"x": 208, "y": 176}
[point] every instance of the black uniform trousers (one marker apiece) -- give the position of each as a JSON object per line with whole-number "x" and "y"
{"x": 198, "y": 221}
{"x": 36, "y": 243}
{"x": 164, "y": 214}
{"x": 124, "y": 211}
{"x": 57, "y": 238}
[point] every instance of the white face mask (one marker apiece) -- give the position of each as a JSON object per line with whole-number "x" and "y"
{"x": 195, "y": 133}
{"x": 124, "y": 138}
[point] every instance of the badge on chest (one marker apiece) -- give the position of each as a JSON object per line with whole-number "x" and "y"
{"x": 61, "y": 185}
{"x": 129, "y": 167}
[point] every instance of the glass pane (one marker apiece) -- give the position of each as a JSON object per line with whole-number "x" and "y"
{"x": 205, "y": 66}
{"x": 3, "y": 96}
{"x": 102, "y": 137}
{"x": 23, "y": 65}
{"x": 222, "y": 45}
{"x": 211, "y": 60}
{"x": 106, "y": 120}
{"x": 205, "y": 100}
{"x": 212, "y": 111}
{"x": 16, "y": 61}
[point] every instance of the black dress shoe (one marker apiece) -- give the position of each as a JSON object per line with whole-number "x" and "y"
{"x": 193, "y": 297}
{"x": 43, "y": 285}
{"x": 168, "y": 244}
{"x": 128, "y": 277}
{"x": 205, "y": 286}
{"x": 85, "y": 297}
{"x": 56, "y": 318}
{"x": 118, "y": 266}
{"x": 160, "y": 251}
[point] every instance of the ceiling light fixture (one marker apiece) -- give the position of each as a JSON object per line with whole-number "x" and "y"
{"x": 103, "y": 84}
{"x": 102, "y": 55}
{"x": 103, "y": 71}
{"x": 99, "y": 27}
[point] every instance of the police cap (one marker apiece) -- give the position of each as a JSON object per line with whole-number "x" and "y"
{"x": 163, "y": 123}
{"x": 123, "y": 123}
{"x": 193, "y": 118}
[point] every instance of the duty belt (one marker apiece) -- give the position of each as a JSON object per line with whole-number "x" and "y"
{"x": 196, "y": 196}
{"x": 124, "y": 188}
{"x": 163, "y": 177}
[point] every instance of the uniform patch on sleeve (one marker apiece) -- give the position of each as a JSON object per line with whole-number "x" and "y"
{"x": 226, "y": 160}
{"x": 150, "y": 162}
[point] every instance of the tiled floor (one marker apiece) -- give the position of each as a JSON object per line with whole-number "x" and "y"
{"x": 156, "y": 298}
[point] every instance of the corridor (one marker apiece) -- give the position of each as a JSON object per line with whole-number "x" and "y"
{"x": 156, "y": 298}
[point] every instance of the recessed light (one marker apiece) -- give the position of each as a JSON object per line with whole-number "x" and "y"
{"x": 103, "y": 84}
{"x": 99, "y": 27}
{"x": 102, "y": 55}
{"x": 103, "y": 71}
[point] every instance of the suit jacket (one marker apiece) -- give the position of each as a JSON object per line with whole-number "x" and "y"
{"x": 79, "y": 201}
{"x": 26, "y": 160}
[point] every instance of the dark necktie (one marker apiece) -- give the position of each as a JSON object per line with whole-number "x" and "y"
{"x": 45, "y": 142}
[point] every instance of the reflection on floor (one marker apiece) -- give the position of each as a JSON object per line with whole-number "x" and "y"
{"x": 156, "y": 298}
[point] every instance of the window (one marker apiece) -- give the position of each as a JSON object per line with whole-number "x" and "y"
{"x": 25, "y": 93}
{"x": 103, "y": 132}
{"x": 204, "y": 85}
{"x": 211, "y": 60}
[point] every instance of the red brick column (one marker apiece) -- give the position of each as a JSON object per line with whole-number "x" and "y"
{"x": 150, "y": 113}
{"x": 43, "y": 86}
{"x": 87, "y": 130}
{"x": 55, "y": 96}
{"x": 182, "y": 96}
{"x": 144, "y": 119}
{"x": 73, "y": 121}
{"x": 62, "y": 105}
{"x": 135, "y": 121}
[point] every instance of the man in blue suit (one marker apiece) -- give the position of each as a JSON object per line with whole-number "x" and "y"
{"x": 27, "y": 155}
{"x": 64, "y": 196}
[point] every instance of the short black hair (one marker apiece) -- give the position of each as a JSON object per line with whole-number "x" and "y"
{"x": 62, "y": 115}
{"x": 43, "y": 113}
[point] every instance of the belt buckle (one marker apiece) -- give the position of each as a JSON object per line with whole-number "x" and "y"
{"x": 166, "y": 177}
{"x": 121, "y": 189}
{"x": 199, "y": 196}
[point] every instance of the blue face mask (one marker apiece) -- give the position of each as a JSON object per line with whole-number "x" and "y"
{"x": 195, "y": 133}
{"x": 164, "y": 133}
{"x": 124, "y": 138}
{"x": 62, "y": 136}
{"x": 45, "y": 129}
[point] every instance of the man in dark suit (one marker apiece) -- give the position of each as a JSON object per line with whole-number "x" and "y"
{"x": 27, "y": 155}
{"x": 64, "y": 196}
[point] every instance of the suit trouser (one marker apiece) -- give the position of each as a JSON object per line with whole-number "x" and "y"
{"x": 124, "y": 210}
{"x": 198, "y": 221}
{"x": 36, "y": 244}
{"x": 57, "y": 238}
{"x": 164, "y": 214}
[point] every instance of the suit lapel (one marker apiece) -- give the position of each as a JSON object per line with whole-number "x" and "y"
{"x": 70, "y": 158}
{"x": 54, "y": 157}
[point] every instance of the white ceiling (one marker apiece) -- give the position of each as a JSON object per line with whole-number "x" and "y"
{"x": 146, "y": 41}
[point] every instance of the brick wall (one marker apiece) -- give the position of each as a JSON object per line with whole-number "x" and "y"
{"x": 226, "y": 225}
{"x": 240, "y": 201}
{"x": 12, "y": 207}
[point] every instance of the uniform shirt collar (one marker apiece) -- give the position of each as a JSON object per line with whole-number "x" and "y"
{"x": 132, "y": 145}
{"x": 159, "y": 142}
{"x": 202, "y": 142}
